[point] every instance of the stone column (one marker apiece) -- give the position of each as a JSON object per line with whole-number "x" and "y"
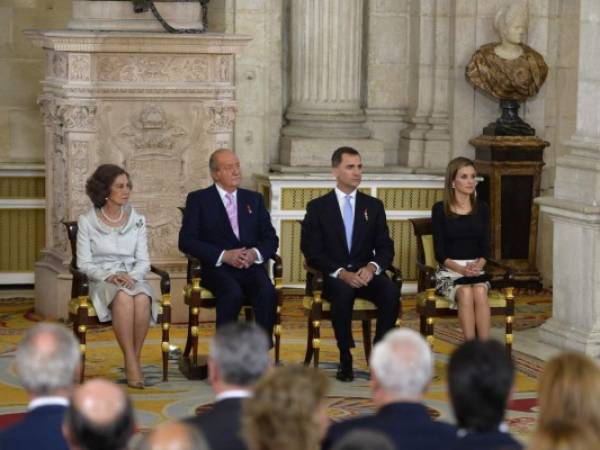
{"x": 437, "y": 139}
{"x": 412, "y": 143}
{"x": 575, "y": 210}
{"x": 155, "y": 103}
{"x": 326, "y": 77}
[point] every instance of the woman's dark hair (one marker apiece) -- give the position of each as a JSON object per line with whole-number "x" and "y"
{"x": 98, "y": 185}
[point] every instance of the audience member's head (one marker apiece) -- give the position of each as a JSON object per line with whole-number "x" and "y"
{"x": 48, "y": 360}
{"x": 364, "y": 439}
{"x": 569, "y": 389}
{"x": 99, "y": 417}
{"x": 287, "y": 410}
{"x": 401, "y": 367}
{"x": 174, "y": 436}
{"x": 480, "y": 379}
{"x": 239, "y": 356}
{"x": 564, "y": 435}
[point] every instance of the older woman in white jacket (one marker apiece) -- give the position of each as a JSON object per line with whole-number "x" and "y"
{"x": 112, "y": 250}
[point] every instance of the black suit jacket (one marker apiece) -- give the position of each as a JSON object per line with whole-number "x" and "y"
{"x": 222, "y": 425}
{"x": 496, "y": 440}
{"x": 206, "y": 231}
{"x": 323, "y": 239}
{"x": 408, "y": 425}
{"x": 41, "y": 429}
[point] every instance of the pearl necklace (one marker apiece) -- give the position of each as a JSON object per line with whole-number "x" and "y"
{"x": 117, "y": 220}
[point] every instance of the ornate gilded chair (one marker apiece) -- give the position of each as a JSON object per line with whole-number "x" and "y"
{"x": 430, "y": 305}
{"x": 318, "y": 309}
{"x": 196, "y": 297}
{"x": 83, "y": 315}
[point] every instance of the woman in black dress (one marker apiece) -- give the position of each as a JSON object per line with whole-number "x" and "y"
{"x": 461, "y": 236}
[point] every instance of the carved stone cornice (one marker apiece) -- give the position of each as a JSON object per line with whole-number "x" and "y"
{"x": 107, "y": 42}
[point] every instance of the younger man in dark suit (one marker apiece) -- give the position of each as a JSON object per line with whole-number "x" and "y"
{"x": 229, "y": 229}
{"x": 345, "y": 236}
{"x": 401, "y": 369}
{"x": 48, "y": 364}
{"x": 238, "y": 359}
{"x": 480, "y": 379}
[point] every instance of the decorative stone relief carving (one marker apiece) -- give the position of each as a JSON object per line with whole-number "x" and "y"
{"x": 221, "y": 118}
{"x": 59, "y": 199}
{"x": 133, "y": 68}
{"x": 79, "y": 170}
{"x": 78, "y": 117}
{"x": 49, "y": 110}
{"x": 153, "y": 149}
{"x": 79, "y": 67}
{"x": 57, "y": 64}
{"x": 224, "y": 69}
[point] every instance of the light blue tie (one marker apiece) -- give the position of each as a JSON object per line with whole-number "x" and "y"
{"x": 348, "y": 220}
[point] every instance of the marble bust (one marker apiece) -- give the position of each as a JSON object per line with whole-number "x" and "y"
{"x": 509, "y": 70}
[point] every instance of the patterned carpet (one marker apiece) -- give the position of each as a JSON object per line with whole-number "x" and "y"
{"x": 180, "y": 397}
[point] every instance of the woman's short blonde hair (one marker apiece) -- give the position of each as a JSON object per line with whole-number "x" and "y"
{"x": 283, "y": 412}
{"x": 570, "y": 390}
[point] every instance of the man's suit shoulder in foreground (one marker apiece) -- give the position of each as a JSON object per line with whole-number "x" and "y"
{"x": 408, "y": 425}
{"x": 222, "y": 425}
{"x": 41, "y": 429}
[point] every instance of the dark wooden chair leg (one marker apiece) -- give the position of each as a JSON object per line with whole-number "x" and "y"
{"x": 194, "y": 332}
{"x": 166, "y": 326}
{"x": 277, "y": 330}
{"x": 366, "y": 332}
{"x": 188, "y": 341}
{"x": 309, "y": 337}
{"x": 316, "y": 341}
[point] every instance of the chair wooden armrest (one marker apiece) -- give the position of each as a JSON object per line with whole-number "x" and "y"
{"x": 429, "y": 274}
{"x": 509, "y": 275}
{"x": 315, "y": 279}
{"x": 165, "y": 279}
{"x": 194, "y": 267}
{"x": 396, "y": 275}
{"x": 277, "y": 266}
{"x": 81, "y": 285}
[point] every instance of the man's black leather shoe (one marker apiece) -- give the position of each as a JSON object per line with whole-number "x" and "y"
{"x": 345, "y": 373}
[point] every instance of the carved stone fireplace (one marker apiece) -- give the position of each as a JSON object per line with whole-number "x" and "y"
{"x": 157, "y": 104}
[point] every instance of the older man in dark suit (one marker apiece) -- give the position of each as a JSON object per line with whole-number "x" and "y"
{"x": 238, "y": 359}
{"x": 229, "y": 229}
{"x": 48, "y": 365}
{"x": 345, "y": 235}
{"x": 401, "y": 369}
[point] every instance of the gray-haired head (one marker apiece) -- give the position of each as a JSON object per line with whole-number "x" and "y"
{"x": 402, "y": 363}
{"x": 241, "y": 352}
{"x": 213, "y": 159}
{"x": 47, "y": 358}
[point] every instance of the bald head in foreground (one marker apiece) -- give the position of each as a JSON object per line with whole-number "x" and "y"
{"x": 174, "y": 436}
{"x": 100, "y": 417}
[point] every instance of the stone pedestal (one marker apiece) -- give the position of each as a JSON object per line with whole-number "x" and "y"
{"x": 325, "y": 94}
{"x": 157, "y": 104}
{"x": 511, "y": 167}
